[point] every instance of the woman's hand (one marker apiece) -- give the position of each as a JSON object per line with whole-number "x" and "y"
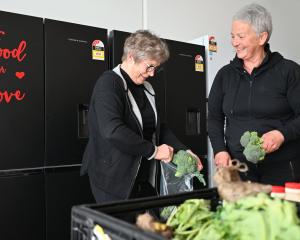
{"x": 272, "y": 141}
{"x": 164, "y": 153}
{"x": 199, "y": 165}
{"x": 222, "y": 159}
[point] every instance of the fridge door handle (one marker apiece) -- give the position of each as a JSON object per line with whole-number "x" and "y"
{"x": 82, "y": 120}
{"x": 192, "y": 125}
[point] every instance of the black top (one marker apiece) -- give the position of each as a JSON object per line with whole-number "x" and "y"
{"x": 148, "y": 119}
{"x": 144, "y": 105}
{"x": 262, "y": 101}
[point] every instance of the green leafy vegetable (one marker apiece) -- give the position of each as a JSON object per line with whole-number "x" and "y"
{"x": 252, "y": 144}
{"x": 167, "y": 211}
{"x": 256, "y": 217}
{"x": 187, "y": 164}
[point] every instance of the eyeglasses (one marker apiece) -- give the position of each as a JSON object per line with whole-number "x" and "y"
{"x": 151, "y": 68}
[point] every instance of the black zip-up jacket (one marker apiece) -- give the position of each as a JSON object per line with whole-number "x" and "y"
{"x": 116, "y": 146}
{"x": 266, "y": 100}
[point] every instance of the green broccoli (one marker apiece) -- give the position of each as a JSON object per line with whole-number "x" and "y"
{"x": 245, "y": 139}
{"x": 186, "y": 164}
{"x": 252, "y": 144}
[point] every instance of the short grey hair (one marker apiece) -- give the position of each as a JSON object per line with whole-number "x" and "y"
{"x": 257, "y": 16}
{"x": 144, "y": 44}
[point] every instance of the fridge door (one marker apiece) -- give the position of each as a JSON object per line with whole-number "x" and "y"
{"x": 186, "y": 95}
{"x": 64, "y": 187}
{"x": 21, "y": 91}
{"x": 212, "y": 66}
{"x": 76, "y": 55}
{"x": 22, "y": 205}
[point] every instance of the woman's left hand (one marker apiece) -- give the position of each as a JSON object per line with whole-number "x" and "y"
{"x": 200, "y": 166}
{"x": 272, "y": 140}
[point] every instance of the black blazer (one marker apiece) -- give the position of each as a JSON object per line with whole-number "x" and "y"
{"x": 116, "y": 145}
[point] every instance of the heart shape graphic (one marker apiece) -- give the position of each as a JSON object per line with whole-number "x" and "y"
{"x": 20, "y": 75}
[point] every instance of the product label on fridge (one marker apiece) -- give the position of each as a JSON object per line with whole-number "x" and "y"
{"x": 98, "y": 50}
{"x": 199, "y": 63}
{"x": 212, "y": 44}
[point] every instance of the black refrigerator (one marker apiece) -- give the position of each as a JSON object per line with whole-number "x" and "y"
{"x": 180, "y": 91}
{"x": 75, "y": 57}
{"x": 22, "y": 202}
{"x": 184, "y": 74}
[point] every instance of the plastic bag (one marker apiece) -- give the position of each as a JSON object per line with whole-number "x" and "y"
{"x": 170, "y": 184}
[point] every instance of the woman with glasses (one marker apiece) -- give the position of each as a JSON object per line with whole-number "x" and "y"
{"x": 126, "y": 137}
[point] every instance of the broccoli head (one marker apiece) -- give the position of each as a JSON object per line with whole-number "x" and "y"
{"x": 186, "y": 164}
{"x": 255, "y": 139}
{"x": 252, "y": 144}
{"x": 245, "y": 139}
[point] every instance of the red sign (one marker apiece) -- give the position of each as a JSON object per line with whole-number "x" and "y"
{"x": 19, "y": 54}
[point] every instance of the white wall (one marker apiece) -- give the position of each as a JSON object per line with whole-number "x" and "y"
{"x": 189, "y": 19}
{"x": 181, "y": 20}
{"x": 110, "y": 14}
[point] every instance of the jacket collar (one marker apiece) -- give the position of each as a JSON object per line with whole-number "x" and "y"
{"x": 149, "y": 91}
{"x": 146, "y": 84}
{"x": 269, "y": 61}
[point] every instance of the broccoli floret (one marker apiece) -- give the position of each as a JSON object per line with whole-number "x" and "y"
{"x": 186, "y": 164}
{"x": 245, "y": 139}
{"x": 255, "y": 139}
{"x": 253, "y": 150}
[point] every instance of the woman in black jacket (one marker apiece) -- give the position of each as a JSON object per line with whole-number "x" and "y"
{"x": 126, "y": 137}
{"x": 258, "y": 91}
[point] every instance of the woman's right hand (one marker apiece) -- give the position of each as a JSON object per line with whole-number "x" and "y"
{"x": 222, "y": 159}
{"x": 164, "y": 153}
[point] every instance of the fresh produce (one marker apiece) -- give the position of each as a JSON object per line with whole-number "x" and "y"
{"x": 252, "y": 144}
{"x": 187, "y": 220}
{"x": 187, "y": 164}
{"x": 260, "y": 217}
{"x": 166, "y": 212}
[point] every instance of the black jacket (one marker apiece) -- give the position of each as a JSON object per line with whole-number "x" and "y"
{"x": 267, "y": 99}
{"x": 116, "y": 146}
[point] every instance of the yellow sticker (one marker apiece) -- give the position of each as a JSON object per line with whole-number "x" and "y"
{"x": 199, "y": 64}
{"x": 98, "y": 50}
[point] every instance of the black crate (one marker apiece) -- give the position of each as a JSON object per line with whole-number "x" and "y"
{"x": 118, "y": 218}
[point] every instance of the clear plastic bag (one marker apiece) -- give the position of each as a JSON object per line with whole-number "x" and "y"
{"x": 170, "y": 184}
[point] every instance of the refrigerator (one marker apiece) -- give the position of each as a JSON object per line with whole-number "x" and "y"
{"x": 180, "y": 90}
{"x": 22, "y": 201}
{"x": 211, "y": 68}
{"x": 48, "y": 69}
{"x": 75, "y": 56}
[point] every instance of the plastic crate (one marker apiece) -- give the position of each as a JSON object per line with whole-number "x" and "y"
{"x": 117, "y": 219}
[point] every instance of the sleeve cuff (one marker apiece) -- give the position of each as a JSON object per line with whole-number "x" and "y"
{"x": 153, "y": 155}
